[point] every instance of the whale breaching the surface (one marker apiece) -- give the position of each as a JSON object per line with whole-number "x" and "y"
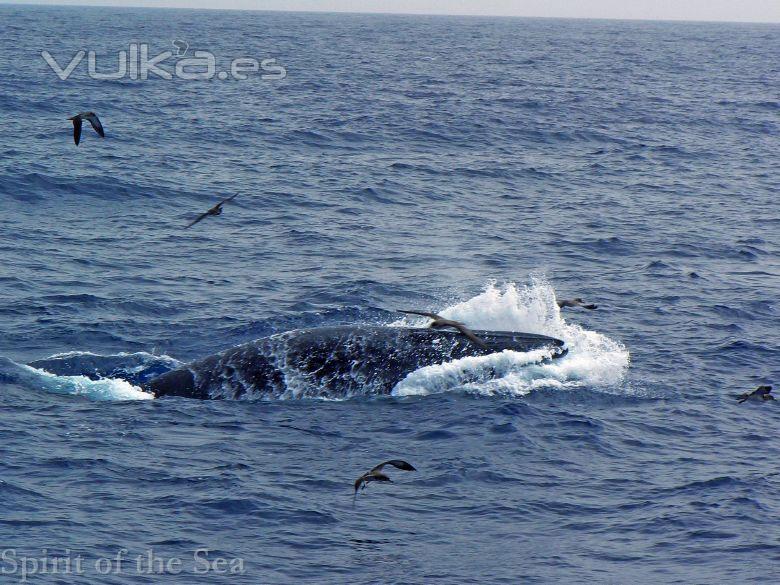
{"x": 376, "y": 474}
{"x": 92, "y": 118}
{"x": 216, "y": 210}
{"x": 333, "y": 362}
{"x": 762, "y": 393}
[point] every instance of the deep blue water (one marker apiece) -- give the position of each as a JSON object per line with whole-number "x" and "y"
{"x": 478, "y": 167}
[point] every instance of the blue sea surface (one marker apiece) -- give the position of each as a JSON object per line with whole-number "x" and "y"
{"x": 478, "y": 167}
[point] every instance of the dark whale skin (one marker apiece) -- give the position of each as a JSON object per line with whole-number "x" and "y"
{"x": 332, "y": 362}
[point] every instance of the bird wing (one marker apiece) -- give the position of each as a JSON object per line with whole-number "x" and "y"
{"x": 76, "y": 129}
{"x": 757, "y": 392}
{"x": 201, "y": 217}
{"x": 590, "y": 307}
{"x": 221, "y": 203}
{"x": 399, "y": 463}
{"x": 93, "y": 119}
{"x": 468, "y": 333}
{"x": 423, "y": 313}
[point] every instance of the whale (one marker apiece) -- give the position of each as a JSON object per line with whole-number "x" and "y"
{"x": 333, "y": 362}
{"x": 324, "y": 362}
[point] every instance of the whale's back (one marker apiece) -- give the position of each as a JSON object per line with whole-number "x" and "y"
{"x": 333, "y": 361}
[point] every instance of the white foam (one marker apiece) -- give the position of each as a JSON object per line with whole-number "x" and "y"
{"x": 141, "y": 357}
{"x": 594, "y": 360}
{"x": 103, "y": 389}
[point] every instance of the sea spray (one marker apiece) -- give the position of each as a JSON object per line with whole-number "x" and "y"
{"x": 103, "y": 389}
{"x": 594, "y": 360}
{"x": 40, "y": 380}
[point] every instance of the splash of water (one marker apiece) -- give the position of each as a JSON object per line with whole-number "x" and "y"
{"x": 103, "y": 389}
{"x": 594, "y": 360}
{"x": 35, "y": 379}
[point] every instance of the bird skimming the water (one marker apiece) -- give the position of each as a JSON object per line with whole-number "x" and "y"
{"x": 78, "y": 120}
{"x": 439, "y": 322}
{"x": 376, "y": 473}
{"x": 761, "y": 393}
{"x": 216, "y": 210}
{"x": 576, "y": 303}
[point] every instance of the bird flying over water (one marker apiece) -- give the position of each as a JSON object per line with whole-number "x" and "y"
{"x": 376, "y": 474}
{"x": 761, "y": 393}
{"x": 578, "y": 302}
{"x": 92, "y": 118}
{"x": 216, "y": 210}
{"x": 439, "y": 322}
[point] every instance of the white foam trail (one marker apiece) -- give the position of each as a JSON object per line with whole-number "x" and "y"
{"x": 594, "y": 360}
{"x": 104, "y": 389}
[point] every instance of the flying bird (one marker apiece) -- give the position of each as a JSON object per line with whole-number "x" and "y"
{"x": 578, "y": 302}
{"x": 78, "y": 120}
{"x": 216, "y": 210}
{"x": 439, "y": 322}
{"x": 762, "y": 393}
{"x": 376, "y": 473}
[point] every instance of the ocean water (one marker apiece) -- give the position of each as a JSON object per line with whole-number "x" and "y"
{"x": 477, "y": 167}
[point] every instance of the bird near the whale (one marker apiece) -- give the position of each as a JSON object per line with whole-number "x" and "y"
{"x": 439, "y": 322}
{"x": 216, "y": 210}
{"x": 375, "y": 474}
{"x": 92, "y": 118}
{"x": 578, "y": 302}
{"x": 762, "y": 393}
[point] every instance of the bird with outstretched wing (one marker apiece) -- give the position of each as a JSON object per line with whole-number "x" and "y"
{"x": 216, "y": 210}
{"x": 762, "y": 393}
{"x": 439, "y": 322}
{"x": 576, "y": 303}
{"x": 375, "y": 474}
{"x": 92, "y": 118}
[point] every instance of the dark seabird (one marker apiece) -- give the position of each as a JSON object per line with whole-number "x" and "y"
{"x": 578, "y": 302}
{"x": 761, "y": 393}
{"x": 376, "y": 473}
{"x": 216, "y": 210}
{"x": 92, "y": 118}
{"x": 439, "y": 322}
